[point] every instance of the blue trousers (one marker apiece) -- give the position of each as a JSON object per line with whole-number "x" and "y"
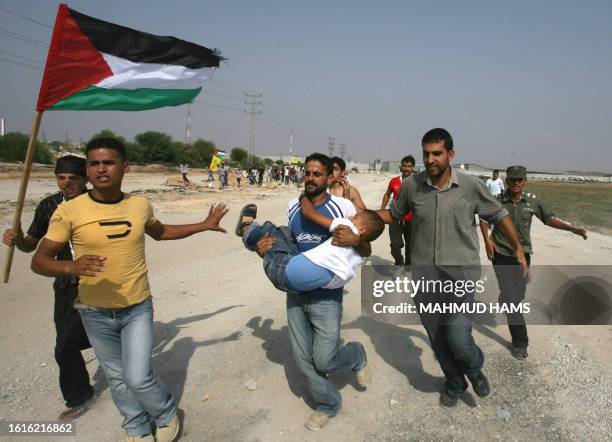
{"x": 123, "y": 342}
{"x": 284, "y": 266}
{"x": 314, "y": 329}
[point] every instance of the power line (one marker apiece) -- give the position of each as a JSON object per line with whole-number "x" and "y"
{"x": 273, "y": 121}
{"x": 19, "y": 56}
{"x": 39, "y": 68}
{"x": 278, "y": 116}
{"x": 25, "y": 38}
{"x": 221, "y": 95}
{"x": 232, "y": 90}
{"x": 26, "y": 18}
{"x": 199, "y": 103}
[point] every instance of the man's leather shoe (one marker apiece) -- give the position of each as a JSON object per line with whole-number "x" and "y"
{"x": 447, "y": 400}
{"x": 480, "y": 384}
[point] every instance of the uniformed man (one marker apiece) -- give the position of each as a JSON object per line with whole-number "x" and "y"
{"x": 522, "y": 207}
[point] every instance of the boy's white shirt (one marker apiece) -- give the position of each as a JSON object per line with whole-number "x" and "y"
{"x": 342, "y": 261}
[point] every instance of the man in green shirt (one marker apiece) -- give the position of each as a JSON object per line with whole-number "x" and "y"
{"x": 522, "y": 207}
{"x": 445, "y": 248}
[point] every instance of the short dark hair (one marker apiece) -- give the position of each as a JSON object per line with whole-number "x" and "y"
{"x": 323, "y": 159}
{"x": 375, "y": 224}
{"x": 107, "y": 143}
{"x": 340, "y": 162}
{"x": 408, "y": 159}
{"x": 495, "y": 170}
{"x": 436, "y": 135}
{"x": 71, "y": 164}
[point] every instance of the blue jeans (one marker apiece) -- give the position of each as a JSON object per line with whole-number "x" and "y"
{"x": 285, "y": 267}
{"x": 314, "y": 330}
{"x": 123, "y": 342}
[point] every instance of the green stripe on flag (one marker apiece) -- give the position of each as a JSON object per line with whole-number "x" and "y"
{"x": 96, "y": 98}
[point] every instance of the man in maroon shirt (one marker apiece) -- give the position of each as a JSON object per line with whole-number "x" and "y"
{"x": 400, "y": 232}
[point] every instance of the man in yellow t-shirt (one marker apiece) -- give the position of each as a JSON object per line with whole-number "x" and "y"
{"x": 106, "y": 228}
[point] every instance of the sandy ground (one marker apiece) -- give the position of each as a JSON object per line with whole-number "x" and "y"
{"x": 220, "y": 324}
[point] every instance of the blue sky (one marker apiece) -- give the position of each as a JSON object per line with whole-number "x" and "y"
{"x": 514, "y": 82}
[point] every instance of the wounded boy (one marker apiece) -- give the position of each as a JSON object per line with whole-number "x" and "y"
{"x": 325, "y": 266}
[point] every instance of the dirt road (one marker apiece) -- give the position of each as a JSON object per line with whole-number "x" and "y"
{"x": 220, "y": 325}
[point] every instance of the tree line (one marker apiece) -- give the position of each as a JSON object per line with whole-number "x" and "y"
{"x": 149, "y": 147}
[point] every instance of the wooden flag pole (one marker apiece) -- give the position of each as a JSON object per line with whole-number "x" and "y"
{"x": 27, "y": 166}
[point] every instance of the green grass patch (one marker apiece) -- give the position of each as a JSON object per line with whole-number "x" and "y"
{"x": 584, "y": 204}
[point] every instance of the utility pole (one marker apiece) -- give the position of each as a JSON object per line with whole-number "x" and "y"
{"x": 291, "y": 143}
{"x": 252, "y": 100}
{"x": 331, "y": 145}
{"x": 342, "y": 150}
{"x": 188, "y": 127}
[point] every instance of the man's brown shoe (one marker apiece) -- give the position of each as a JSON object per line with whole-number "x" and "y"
{"x": 364, "y": 374}
{"x": 316, "y": 421}
{"x": 145, "y": 438}
{"x": 169, "y": 432}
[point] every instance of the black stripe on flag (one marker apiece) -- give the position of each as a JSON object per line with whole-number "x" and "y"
{"x": 141, "y": 47}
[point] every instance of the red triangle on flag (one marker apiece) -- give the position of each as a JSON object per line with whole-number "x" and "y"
{"x": 73, "y": 62}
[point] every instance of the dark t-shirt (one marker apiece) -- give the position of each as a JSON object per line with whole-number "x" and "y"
{"x": 40, "y": 223}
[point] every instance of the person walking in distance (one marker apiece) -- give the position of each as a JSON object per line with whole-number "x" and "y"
{"x": 495, "y": 184}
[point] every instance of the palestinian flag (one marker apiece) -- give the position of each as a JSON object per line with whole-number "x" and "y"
{"x": 97, "y": 65}
{"x": 219, "y": 153}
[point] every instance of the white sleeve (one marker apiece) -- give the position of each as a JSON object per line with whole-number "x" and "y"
{"x": 346, "y": 206}
{"x": 343, "y": 222}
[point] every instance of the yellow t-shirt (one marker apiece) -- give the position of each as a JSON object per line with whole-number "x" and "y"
{"x": 115, "y": 231}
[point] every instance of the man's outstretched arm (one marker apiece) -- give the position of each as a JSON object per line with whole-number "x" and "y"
{"x": 166, "y": 232}
{"x": 386, "y": 216}
{"x": 561, "y": 225}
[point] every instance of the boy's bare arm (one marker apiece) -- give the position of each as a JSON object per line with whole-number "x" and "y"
{"x": 310, "y": 213}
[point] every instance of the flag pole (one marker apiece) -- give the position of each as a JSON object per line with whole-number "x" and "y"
{"x": 27, "y": 166}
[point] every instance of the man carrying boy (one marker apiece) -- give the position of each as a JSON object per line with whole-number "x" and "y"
{"x": 314, "y": 317}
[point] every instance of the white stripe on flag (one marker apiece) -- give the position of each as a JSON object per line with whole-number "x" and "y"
{"x": 130, "y": 75}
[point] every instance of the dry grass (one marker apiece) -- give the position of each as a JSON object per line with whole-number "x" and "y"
{"x": 584, "y": 204}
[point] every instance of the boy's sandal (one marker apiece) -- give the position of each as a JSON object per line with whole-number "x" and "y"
{"x": 246, "y": 217}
